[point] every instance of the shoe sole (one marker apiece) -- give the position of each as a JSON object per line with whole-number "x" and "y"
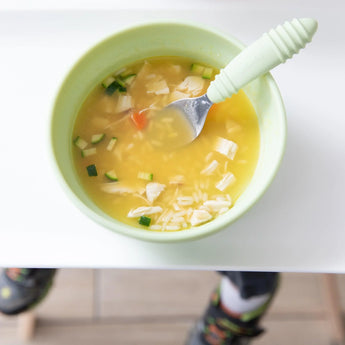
{"x": 32, "y": 305}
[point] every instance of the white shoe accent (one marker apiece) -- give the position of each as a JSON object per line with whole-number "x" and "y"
{"x": 232, "y": 300}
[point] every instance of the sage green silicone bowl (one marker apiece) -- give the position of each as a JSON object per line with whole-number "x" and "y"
{"x": 165, "y": 39}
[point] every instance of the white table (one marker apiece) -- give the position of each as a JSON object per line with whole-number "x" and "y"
{"x": 299, "y": 225}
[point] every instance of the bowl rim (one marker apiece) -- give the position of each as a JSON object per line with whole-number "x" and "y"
{"x": 158, "y": 236}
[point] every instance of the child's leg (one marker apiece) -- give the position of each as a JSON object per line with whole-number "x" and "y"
{"x": 22, "y": 288}
{"x": 236, "y": 307}
{"x": 243, "y": 292}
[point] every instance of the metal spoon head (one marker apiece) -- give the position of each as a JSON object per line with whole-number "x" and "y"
{"x": 180, "y": 122}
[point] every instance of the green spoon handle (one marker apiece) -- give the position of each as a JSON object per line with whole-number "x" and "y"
{"x": 272, "y": 49}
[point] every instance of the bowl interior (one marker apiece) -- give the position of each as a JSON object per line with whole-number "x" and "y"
{"x": 165, "y": 39}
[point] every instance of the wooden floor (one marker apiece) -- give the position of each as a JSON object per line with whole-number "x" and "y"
{"x": 122, "y": 307}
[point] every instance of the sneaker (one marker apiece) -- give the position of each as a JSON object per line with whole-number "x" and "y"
{"x": 219, "y": 328}
{"x": 196, "y": 338}
{"x": 23, "y": 288}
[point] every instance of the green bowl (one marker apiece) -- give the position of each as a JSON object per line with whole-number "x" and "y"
{"x": 165, "y": 39}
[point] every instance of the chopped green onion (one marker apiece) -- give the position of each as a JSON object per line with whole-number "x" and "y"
{"x": 197, "y": 68}
{"x": 79, "y": 142}
{"x": 112, "y": 88}
{"x": 97, "y": 138}
{"x": 143, "y": 220}
{"x": 128, "y": 79}
{"x": 111, "y": 175}
{"x": 91, "y": 170}
{"x": 106, "y": 82}
{"x": 145, "y": 176}
{"x": 120, "y": 82}
{"x": 88, "y": 152}
{"x": 207, "y": 74}
{"x": 112, "y": 143}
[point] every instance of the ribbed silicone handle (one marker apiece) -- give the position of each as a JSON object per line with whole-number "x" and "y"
{"x": 272, "y": 49}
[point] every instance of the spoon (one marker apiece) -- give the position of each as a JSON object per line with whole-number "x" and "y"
{"x": 272, "y": 49}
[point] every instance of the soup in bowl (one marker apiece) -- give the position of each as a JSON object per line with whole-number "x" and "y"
{"x": 119, "y": 168}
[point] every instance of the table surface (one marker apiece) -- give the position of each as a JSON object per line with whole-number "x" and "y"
{"x": 297, "y": 226}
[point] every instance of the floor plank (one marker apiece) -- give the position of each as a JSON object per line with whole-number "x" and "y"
{"x": 8, "y": 336}
{"x": 6, "y": 321}
{"x": 173, "y": 333}
{"x": 71, "y": 295}
{"x": 147, "y": 293}
{"x": 109, "y": 334}
{"x": 299, "y": 293}
{"x": 299, "y": 332}
{"x": 341, "y": 284}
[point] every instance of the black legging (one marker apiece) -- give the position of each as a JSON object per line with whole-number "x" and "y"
{"x": 253, "y": 283}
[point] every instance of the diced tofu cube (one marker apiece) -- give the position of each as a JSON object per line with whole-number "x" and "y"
{"x": 153, "y": 190}
{"x": 226, "y": 147}
{"x": 124, "y": 103}
{"x": 158, "y": 86}
{"x": 199, "y": 217}
{"x": 193, "y": 85}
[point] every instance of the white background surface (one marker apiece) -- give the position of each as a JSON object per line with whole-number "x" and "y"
{"x": 299, "y": 225}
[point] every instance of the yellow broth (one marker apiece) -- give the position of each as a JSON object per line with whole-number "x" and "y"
{"x": 170, "y": 129}
{"x": 192, "y": 184}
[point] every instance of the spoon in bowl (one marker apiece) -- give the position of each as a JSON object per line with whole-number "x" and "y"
{"x": 272, "y": 49}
